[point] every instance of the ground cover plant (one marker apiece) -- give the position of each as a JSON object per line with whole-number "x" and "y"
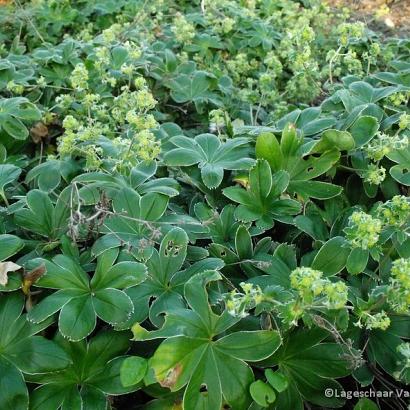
{"x": 203, "y": 205}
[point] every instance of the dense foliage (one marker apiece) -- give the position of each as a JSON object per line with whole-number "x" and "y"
{"x": 203, "y": 205}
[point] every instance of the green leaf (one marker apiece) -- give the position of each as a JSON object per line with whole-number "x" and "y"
{"x": 191, "y": 357}
{"x": 260, "y": 179}
{"x": 290, "y": 141}
{"x": 119, "y": 56}
{"x": 277, "y": 380}
{"x": 112, "y": 305}
{"x": 37, "y": 355}
{"x": 109, "y": 380}
{"x": 9, "y": 245}
{"x": 401, "y": 173}
{"x": 62, "y": 273}
{"x": 250, "y": 345}
{"x": 357, "y": 260}
{"x": 153, "y": 206}
{"x": 366, "y": 404}
{"x": 212, "y": 175}
{"x": 121, "y": 276}
{"x": 267, "y": 147}
{"x": 187, "y": 88}
{"x": 332, "y": 256}
{"x": 14, "y": 127}
{"x": 212, "y": 156}
{"x": 259, "y": 204}
{"x": 243, "y": 243}
{"x": 8, "y": 174}
{"x": 13, "y": 392}
{"x": 133, "y": 370}
{"x": 47, "y": 397}
{"x": 262, "y": 393}
{"x": 364, "y": 129}
{"x": 315, "y": 189}
{"x": 310, "y": 367}
{"x": 77, "y": 318}
{"x": 330, "y": 139}
{"x": 39, "y": 215}
{"x": 52, "y": 304}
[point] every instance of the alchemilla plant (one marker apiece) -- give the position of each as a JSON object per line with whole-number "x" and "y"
{"x": 203, "y": 205}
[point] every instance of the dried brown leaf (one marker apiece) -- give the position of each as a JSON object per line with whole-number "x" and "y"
{"x": 5, "y": 268}
{"x": 31, "y": 277}
{"x": 38, "y": 132}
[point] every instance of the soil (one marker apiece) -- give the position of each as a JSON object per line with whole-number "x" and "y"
{"x": 389, "y": 16}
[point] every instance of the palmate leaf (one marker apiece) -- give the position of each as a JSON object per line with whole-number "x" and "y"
{"x": 196, "y": 356}
{"x": 44, "y": 218}
{"x": 93, "y": 375}
{"x": 140, "y": 179}
{"x": 162, "y": 291}
{"x": 381, "y": 347}
{"x": 13, "y": 111}
{"x": 192, "y": 87}
{"x": 242, "y": 253}
{"x": 261, "y": 201}
{"x": 310, "y": 367}
{"x": 81, "y": 300}
{"x": 292, "y": 156}
{"x": 132, "y": 223}
{"x": 212, "y": 156}
{"x": 8, "y": 174}
{"x": 222, "y": 226}
{"x": 401, "y": 171}
{"x": 22, "y": 352}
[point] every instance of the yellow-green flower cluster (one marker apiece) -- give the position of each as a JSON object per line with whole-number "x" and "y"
{"x": 183, "y": 30}
{"x": 111, "y": 34}
{"x": 404, "y": 121}
{"x": 310, "y": 285}
{"x": 350, "y": 31}
{"x": 399, "y": 287}
{"x": 370, "y": 321}
{"x": 398, "y": 99}
{"x": 147, "y": 147}
{"x": 336, "y": 293}
{"x": 217, "y": 120}
{"x": 141, "y": 121}
{"x": 273, "y": 63}
{"x": 15, "y": 88}
{"x": 124, "y": 119}
{"x": 395, "y": 212}
{"x": 382, "y": 144}
{"x": 375, "y": 175}
{"x": 140, "y": 101}
{"x": 239, "y": 303}
{"x": 79, "y": 77}
{"x": 352, "y": 63}
{"x": 241, "y": 66}
{"x": 363, "y": 230}
{"x": 308, "y": 282}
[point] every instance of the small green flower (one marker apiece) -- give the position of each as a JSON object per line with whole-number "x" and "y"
{"x": 336, "y": 294}
{"x": 363, "y": 230}
{"x": 404, "y": 121}
{"x": 15, "y": 88}
{"x": 183, "y": 30}
{"x": 238, "y": 304}
{"x": 399, "y": 287}
{"x": 375, "y": 175}
{"x": 79, "y": 77}
{"x": 395, "y": 212}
